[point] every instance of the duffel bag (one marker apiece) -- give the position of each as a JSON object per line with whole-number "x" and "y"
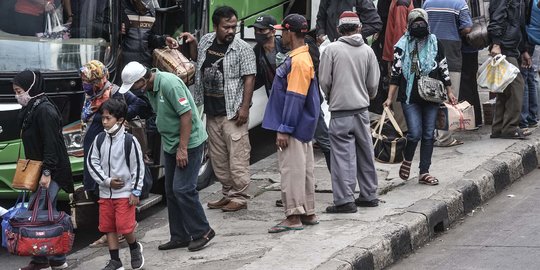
{"x": 84, "y": 209}
{"x": 387, "y": 146}
{"x": 37, "y": 232}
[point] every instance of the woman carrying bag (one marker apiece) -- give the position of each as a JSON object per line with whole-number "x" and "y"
{"x": 418, "y": 56}
{"x": 41, "y": 129}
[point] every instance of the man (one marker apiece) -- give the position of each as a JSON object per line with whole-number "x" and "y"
{"x": 506, "y": 29}
{"x": 226, "y": 77}
{"x": 330, "y": 10}
{"x": 292, "y": 111}
{"x": 268, "y": 51}
{"x": 349, "y": 78}
{"x": 449, "y": 20}
{"x": 182, "y": 137}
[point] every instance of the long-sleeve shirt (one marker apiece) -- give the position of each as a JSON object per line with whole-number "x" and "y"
{"x": 396, "y": 26}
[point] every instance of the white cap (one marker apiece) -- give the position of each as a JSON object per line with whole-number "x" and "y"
{"x": 132, "y": 72}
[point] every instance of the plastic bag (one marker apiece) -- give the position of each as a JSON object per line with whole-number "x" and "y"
{"x": 496, "y": 74}
{"x": 54, "y": 29}
{"x": 20, "y": 205}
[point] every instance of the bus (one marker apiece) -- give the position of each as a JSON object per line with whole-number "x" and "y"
{"x": 94, "y": 33}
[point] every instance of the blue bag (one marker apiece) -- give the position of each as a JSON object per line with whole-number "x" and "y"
{"x": 18, "y": 207}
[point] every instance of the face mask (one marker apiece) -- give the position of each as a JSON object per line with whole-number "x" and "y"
{"x": 261, "y": 38}
{"x": 280, "y": 58}
{"x": 419, "y": 31}
{"x": 88, "y": 88}
{"x": 23, "y": 98}
{"x": 113, "y": 129}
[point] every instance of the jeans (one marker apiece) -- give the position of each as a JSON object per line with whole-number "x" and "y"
{"x": 421, "y": 120}
{"x": 53, "y": 192}
{"x": 321, "y": 136}
{"x": 530, "y": 99}
{"x": 187, "y": 220}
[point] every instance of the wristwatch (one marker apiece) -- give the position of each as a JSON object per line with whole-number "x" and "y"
{"x": 46, "y": 172}
{"x": 136, "y": 193}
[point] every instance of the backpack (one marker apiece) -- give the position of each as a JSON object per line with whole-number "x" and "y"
{"x": 128, "y": 143}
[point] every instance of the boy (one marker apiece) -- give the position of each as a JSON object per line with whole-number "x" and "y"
{"x": 115, "y": 162}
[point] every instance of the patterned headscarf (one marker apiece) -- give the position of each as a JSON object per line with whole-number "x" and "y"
{"x": 95, "y": 71}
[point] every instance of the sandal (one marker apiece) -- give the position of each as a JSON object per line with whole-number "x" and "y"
{"x": 454, "y": 142}
{"x": 283, "y": 228}
{"x": 310, "y": 222}
{"x": 518, "y": 134}
{"x": 428, "y": 179}
{"x": 405, "y": 170}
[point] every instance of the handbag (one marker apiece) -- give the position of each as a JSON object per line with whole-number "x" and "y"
{"x": 173, "y": 61}
{"x": 11, "y": 212}
{"x": 54, "y": 29}
{"x": 431, "y": 90}
{"x": 27, "y": 173}
{"x": 36, "y": 232}
{"x": 478, "y": 38}
{"x": 388, "y": 146}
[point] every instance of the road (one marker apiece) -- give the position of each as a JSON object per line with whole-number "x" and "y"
{"x": 503, "y": 234}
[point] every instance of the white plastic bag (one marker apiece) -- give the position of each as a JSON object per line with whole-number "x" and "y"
{"x": 496, "y": 74}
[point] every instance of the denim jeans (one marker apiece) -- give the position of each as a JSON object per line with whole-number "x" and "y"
{"x": 530, "y": 99}
{"x": 187, "y": 220}
{"x": 321, "y": 136}
{"x": 421, "y": 123}
{"x": 53, "y": 192}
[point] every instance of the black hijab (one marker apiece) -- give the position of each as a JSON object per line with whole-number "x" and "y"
{"x": 32, "y": 80}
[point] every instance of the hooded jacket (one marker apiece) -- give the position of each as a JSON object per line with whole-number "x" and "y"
{"x": 110, "y": 162}
{"x": 507, "y": 25}
{"x": 349, "y": 74}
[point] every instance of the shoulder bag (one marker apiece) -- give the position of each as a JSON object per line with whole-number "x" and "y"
{"x": 431, "y": 90}
{"x": 27, "y": 173}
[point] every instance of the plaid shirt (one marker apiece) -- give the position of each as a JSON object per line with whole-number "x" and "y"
{"x": 239, "y": 61}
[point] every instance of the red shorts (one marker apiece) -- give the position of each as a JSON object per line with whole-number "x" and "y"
{"x": 116, "y": 215}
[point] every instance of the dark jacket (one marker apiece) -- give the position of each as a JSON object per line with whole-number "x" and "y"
{"x": 43, "y": 140}
{"x": 507, "y": 25}
{"x": 330, "y": 10}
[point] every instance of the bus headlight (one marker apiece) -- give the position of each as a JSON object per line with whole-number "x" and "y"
{"x": 73, "y": 139}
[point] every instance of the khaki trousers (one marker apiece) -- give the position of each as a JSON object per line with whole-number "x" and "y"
{"x": 508, "y": 106}
{"x": 296, "y": 165}
{"x": 229, "y": 150}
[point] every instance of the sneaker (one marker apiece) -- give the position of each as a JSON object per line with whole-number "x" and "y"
{"x": 372, "y": 203}
{"x": 137, "y": 258}
{"x": 113, "y": 265}
{"x": 198, "y": 244}
{"x": 344, "y": 208}
{"x": 58, "y": 265}
{"x": 36, "y": 266}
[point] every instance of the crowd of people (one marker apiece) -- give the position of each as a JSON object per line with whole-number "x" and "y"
{"x": 413, "y": 40}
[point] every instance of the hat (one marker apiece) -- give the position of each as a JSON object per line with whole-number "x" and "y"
{"x": 264, "y": 22}
{"x": 294, "y": 23}
{"x": 349, "y": 17}
{"x": 415, "y": 14}
{"x": 94, "y": 70}
{"x": 132, "y": 72}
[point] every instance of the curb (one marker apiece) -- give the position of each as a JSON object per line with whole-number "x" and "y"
{"x": 397, "y": 236}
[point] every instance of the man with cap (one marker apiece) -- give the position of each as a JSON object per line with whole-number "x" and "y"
{"x": 349, "y": 76}
{"x": 292, "y": 111}
{"x": 182, "y": 136}
{"x": 225, "y": 77}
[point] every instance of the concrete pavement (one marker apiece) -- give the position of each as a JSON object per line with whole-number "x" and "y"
{"x": 502, "y": 234}
{"x": 373, "y": 238}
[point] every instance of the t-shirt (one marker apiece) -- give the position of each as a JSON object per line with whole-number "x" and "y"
{"x": 447, "y": 18}
{"x": 170, "y": 99}
{"x": 213, "y": 80}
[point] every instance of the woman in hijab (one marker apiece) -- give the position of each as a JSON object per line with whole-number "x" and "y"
{"x": 41, "y": 128}
{"x": 418, "y": 53}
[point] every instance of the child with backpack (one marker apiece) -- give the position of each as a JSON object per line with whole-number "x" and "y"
{"x": 116, "y": 163}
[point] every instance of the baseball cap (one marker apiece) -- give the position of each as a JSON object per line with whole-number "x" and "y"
{"x": 264, "y": 22}
{"x": 349, "y": 17}
{"x": 294, "y": 23}
{"x": 132, "y": 72}
{"x": 93, "y": 70}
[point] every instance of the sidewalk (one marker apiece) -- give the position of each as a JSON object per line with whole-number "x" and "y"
{"x": 372, "y": 238}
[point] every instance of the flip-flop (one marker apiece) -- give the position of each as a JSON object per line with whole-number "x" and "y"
{"x": 454, "y": 142}
{"x": 282, "y": 228}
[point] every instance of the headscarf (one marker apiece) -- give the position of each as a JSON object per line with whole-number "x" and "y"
{"x": 30, "y": 80}
{"x": 95, "y": 71}
{"x": 427, "y": 51}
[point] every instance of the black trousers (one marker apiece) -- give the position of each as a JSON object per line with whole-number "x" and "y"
{"x": 468, "y": 89}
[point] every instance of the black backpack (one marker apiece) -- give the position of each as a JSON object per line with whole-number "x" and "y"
{"x": 128, "y": 142}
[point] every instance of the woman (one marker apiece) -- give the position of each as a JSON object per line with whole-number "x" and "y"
{"x": 41, "y": 125}
{"x": 418, "y": 53}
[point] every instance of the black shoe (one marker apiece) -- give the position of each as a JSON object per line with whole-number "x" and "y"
{"x": 173, "y": 244}
{"x": 198, "y": 244}
{"x": 279, "y": 203}
{"x": 137, "y": 258}
{"x": 113, "y": 265}
{"x": 344, "y": 208}
{"x": 495, "y": 136}
{"x": 372, "y": 203}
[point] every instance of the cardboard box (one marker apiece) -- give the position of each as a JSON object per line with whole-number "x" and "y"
{"x": 456, "y": 117}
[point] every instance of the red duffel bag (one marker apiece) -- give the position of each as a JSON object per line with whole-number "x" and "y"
{"x": 37, "y": 232}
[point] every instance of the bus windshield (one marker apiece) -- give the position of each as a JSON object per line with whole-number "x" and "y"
{"x": 57, "y": 35}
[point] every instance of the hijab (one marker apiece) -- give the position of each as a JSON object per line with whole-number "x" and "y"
{"x": 426, "y": 49}
{"x": 31, "y": 81}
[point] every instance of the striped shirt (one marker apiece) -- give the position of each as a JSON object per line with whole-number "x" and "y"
{"x": 447, "y": 18}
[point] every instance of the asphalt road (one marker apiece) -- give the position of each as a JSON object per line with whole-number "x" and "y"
{"x": 501, "y": 235}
